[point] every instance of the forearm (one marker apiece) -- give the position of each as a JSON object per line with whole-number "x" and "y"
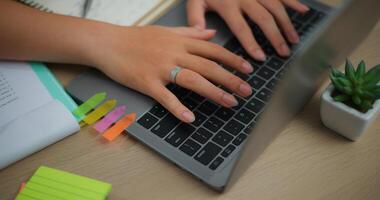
{"x": 29, "y": 34}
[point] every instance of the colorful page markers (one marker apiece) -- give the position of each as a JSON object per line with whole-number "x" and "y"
{"x": 53, "y": 184}
{"x": 88, "y": 105}
{"x": 119, "y": 127}
{"x": 109, "y": 119}
{"x": 99, "y": 112}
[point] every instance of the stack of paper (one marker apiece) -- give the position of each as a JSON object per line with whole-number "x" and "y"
{"x": 52, "y": 184}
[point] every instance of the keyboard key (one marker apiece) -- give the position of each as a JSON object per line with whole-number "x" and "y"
{"x": 255, "y": 105}
{"x": 215, "y": 164}
{"x": 222, "y": 138}
{"x": 239, "y": 139}
{"x": 280, "y": 74}
{"x": 305, "y": 16}
{"x": 275, "y": 63}
{"x": 248, "y": 129}
{"x": 199, "y": 119}
{"x": 224, "y": 113}
{"x": 232, "y": 44}
{"x": 196, "y": 97}
{"x": 228, "y": 150}
{"x": 245, "y": 116}
{"x": 207, "y": 108}
{"x": 180, "y": 92}
{"x": 269, "y": 50}
{"x": 233, "y": 127}
{"x": 201, "y": 135}
{"x": 158, "y": 111}
{"x": 189, "y": 103}
{"x": 165, "y": 125}
{"x": 240, "y": 101}
{"x": 265, "y": 73}
{"x": 180, "y": 134}
{"x": 190, "y": 147}
{"x": 264, "y": 94}
{"x": 208, "y": 153}
{"x": 297, "y": 25}
{"x": 213, "y": 124}
{"x": 256, "y": 82}
{"x": 244, "y": 77}
{"x": 271, "y": 84}
{"x": 147, "y": 121}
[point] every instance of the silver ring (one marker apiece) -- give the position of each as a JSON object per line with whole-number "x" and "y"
{"x": 174, "y": 73}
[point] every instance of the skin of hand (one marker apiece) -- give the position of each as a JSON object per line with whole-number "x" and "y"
{"x": 269, "y": 15}
{"x": 138, "y": 57}
{"x": 142, "y": 58}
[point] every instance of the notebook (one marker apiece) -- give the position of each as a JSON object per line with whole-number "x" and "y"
{"x": 120, "y": 12}
{"x": 35, "y": 111}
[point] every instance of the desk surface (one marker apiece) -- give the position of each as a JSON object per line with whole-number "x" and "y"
{"x": 306, "y": 161}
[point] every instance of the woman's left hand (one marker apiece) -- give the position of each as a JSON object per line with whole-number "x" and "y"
{"x": 269, "y": 15}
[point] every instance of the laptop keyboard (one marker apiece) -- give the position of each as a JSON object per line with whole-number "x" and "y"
{"x": 217, "y": 131}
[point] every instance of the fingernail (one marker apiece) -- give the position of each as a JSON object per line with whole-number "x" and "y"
{"x": 213, "y": 31}
{"x": 285, "y": 49}
{"x": 305, "y": 8}
{"x": 245, "y": 89}
{"x": 247, "y": 67}
{"x": 295, "y": 37}
{"x": 188, "y": 116}
{"x": 260, "y": 55}
{"x": 229, "y": 100}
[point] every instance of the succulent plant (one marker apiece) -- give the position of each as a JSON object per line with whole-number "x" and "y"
{"x": 356, "y": 88}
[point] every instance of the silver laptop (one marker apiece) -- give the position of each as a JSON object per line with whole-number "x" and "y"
{"x": 222, "y": 143}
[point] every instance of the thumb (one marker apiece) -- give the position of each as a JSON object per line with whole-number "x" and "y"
{"x": 196, "y": 13}
{"x": 194, "y": 33}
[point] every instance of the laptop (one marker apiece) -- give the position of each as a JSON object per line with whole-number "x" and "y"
{"x": 222, "y": 143}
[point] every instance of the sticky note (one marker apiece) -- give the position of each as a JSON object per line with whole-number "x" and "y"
{"x": 109, "y": 119}
{"x": 49, "y": 183}
{"x": 88, "y": 105}
{"x": 99, "y": 112}
{"x": 119, "y": 127}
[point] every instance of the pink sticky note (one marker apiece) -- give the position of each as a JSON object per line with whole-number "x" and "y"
{"x": 110, "y": 118}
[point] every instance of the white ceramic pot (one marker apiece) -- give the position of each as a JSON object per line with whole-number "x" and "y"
{"x": 343, "y": 119}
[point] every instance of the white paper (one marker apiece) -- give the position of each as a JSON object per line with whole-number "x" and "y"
{"x": 120, "y": 12}
{"x": 34, "y": 131}
{"x": 64, "y": 7}
{"x": 20, "y": 91}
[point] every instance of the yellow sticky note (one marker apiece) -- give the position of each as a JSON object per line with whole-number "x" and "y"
{"x": 99, "y": 112}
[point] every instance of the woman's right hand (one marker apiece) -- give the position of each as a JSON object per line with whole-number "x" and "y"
{"x": 143, "y": 57}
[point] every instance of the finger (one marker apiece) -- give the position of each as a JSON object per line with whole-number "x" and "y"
{"x": 278, "y": 11}
{"x": 171, "y": 102}
{"x": 240, "y": 28}
{"x": 219, "y": 54}
{"x": 296, "y": 5}
{"x": 195, "y": 82}
{"x": 217, "y": 74}
{"x": 194, "y": 33}
{"x": 268, "y": 25}
{"x": 196, "y": 14}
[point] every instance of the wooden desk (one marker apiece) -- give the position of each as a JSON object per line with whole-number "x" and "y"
{"x": 307, "y": 161}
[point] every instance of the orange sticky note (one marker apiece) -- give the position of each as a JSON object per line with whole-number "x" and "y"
{"x": 119, "y": 127}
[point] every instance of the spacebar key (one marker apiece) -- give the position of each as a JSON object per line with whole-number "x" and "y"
{"x": 208, "y": 153}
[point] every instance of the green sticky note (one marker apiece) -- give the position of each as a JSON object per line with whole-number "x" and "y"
{"x": 88, "y": 105}
{"x": 48, "y": 183}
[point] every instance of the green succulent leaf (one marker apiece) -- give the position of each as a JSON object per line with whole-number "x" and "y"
{"x": 366, "y": 105}
{"x": 374, "y": 89}
{"x": 342, "y": 98}
{"x": 344, "y": 81}
{"x": 348, "y": 90}
{"x": 368, "y": 95}
{"x": 372, "y": 76}
{"x": 350, "y": 71}
{"x": 356, "y": 99}
{"x": 336, "y": 73}
{"x": 360, "y": 71}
